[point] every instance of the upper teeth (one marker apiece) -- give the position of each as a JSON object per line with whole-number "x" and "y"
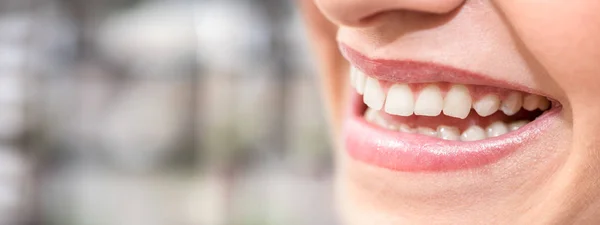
{"x": 512, "y": 103}
{"x": 429, "y": 102}
{"x": 404, "y": 103}
{"x": 374, "y": 96}
{"x": 401, "y": 100}
{"x": 458, "y": 102}
{"x": 487, "y": 105}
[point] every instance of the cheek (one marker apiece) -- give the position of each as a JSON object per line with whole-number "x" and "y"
{"x": 564, "y": 36}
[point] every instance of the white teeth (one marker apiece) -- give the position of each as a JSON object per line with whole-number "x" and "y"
{"x": 353, "y": 72}
{"x": 496, "y": 129}
{"x": 457, "y": 102}
{"x": 374, "y": 97}
{"x": 370, "y": 115}
{"x": 406, "y": 129}
{"x": 473, "y": 133}
{"x": 429, "y": 102}
{"x": 392, "y": 127}
{"x": 512, "y": 104}
{"x": 377, "y": 120}
{"x": 487, "y": 105}
{"x": 516, "y": 125}
{"x": 532, "y": 102}
{"x": 360, "y": 81}
{"x": 427, "y": 131}
{"x": 400, "y": 100}
{"x": 374, "y": 117}
{"x": 448, "y": 133}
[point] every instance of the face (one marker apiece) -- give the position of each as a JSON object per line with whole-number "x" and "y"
{"x": 466, "y": 112}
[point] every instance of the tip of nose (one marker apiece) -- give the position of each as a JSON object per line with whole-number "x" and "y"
{"x": 360, "y": 13}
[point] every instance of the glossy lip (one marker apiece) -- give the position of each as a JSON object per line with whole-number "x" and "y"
{"x": 417, "y": 153}
{"x": 407, "y": 71}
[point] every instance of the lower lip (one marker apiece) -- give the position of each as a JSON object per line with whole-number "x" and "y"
{"x": 416, "y": 153}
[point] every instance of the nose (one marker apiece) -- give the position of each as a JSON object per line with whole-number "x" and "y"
{"x": 357, "y": 12}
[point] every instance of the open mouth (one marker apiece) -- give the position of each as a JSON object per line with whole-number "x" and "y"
{"x": 414, "y": 116}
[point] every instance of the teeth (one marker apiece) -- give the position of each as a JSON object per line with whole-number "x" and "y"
{"x": 544, "y": 104}
{"x": 512, "y": 104}
{"x": 487, "y": 105}
{"x": 374, "y": 97}
{"x": 532, "y": 102}
{"x": 371, "y": 115}
{"x": 473, "y": 133}
{"x": 457, "y": 102}
{"x": 406, "y": 129}
{"x": 448, "y": 133}
{"x": 429, "y": 102}
{"x": 496, "y": 129}
{"x": 374, "y": 117}
{"x": 353, "y": 72}
{"x": 516, "y": 125}
{"x": 400, "y": 100}
{"x": 392, "y": 127}
{"x": 377, "y": 120}
{"x": 427, "y": 131}
{"x": 360, "y": 81}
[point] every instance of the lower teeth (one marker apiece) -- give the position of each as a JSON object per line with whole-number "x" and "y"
{"x": 472, "y": 133}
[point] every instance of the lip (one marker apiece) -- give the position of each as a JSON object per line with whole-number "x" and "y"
{"x": 417, "y": 153}
{"x": 409, "y": 71}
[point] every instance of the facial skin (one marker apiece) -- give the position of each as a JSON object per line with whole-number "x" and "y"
{"x": 551, "y": 46}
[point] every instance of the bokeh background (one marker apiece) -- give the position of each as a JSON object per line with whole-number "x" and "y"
{"x": 160, "y": 112}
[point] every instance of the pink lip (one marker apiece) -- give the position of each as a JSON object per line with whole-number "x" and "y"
{"x": 407, "y": 71}
{"x": 413, "y": 152}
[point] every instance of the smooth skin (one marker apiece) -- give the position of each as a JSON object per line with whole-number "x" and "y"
{"x": 550, "y": 46}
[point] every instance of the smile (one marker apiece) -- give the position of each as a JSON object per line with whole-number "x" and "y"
{"x": 417, "y": 116}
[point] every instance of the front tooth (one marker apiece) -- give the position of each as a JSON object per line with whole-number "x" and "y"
{"x": 473, "y": 133}
{"x": 448, "y": 133}
{"x": 496, "y": 129}
{"x": 487, "y": 105}
{"x": 374, "y": 96}
{"x": 457, "y": 102}
{"x": 429, "y": 102}
{"x": 400, "y": 100}
{"x": 516, "y": 125}
{"x": 361, "y": 80}
{"x": 512, "y": 104}
{"x": 532, "y": 102}
{"x": 427, "y": 131}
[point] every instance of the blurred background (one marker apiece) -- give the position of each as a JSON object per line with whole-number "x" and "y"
{"x": 160, "y": 112}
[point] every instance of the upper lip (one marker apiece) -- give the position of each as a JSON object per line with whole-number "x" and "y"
{"x": 408, "y": 71}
